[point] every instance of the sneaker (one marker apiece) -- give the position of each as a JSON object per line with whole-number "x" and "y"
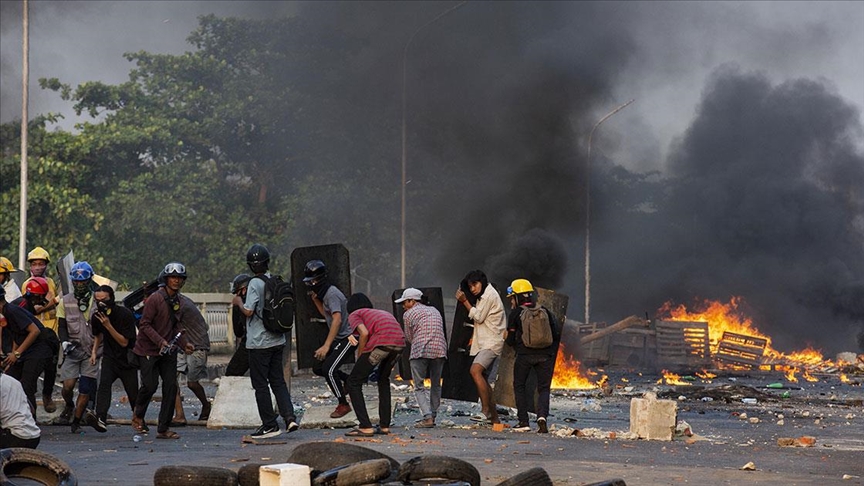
{"x": 65, "y": 417}
{"x": 341, "y": 410}
{"x": 95, "y": 422}
{"x": 522, "y": 427}
{"x": 292, "y": 427}
{"x": 265, "y": 432}
{"x": 541, "y": 424}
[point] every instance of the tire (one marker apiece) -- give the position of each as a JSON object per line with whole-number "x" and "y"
{"x": 357, "y": 474}
{"x": 536, "y": 476}
{"x": 443, "y": 467}
{"x": 248, "y": 474}
{"x": 33, "y": 465}
{"x": 609, "y": 482}
{"x": 197, "y": 475}
{"x": 323, "y": 456}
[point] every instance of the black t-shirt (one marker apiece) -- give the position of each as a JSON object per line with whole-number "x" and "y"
{"x": 17, "y": 322}
{"x": 124, "y": 322}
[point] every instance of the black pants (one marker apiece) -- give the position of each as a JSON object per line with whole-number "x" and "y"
{"x": 152, "y": 369}
{"x": 265, "y": 371}
{"x": 340, "y": 351}
{"x": 7, "y": 440}
{"x": 239, "y": 364}
{"x": 27, "y": 372}
{"x": 111, "y": 371}
{"x": 544, "y": 366}
{"x": 358, "y": 376}
{"x": 50, "y": 370}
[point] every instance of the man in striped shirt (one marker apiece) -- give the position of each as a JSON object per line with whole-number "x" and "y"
{"x": 380, "y": 342}
{"x": 424, "y": 329}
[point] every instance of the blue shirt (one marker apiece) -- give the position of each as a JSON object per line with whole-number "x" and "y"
{"x": 257, "y": 337}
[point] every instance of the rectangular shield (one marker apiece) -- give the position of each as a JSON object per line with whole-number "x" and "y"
{"x": 309, "y": 325}
{"x": 63, "y": 267}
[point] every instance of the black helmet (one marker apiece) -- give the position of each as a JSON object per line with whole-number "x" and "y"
{"x": 315, "y": 271}
{"x": 258, "y": 258}
{"x": 239, "y": 282}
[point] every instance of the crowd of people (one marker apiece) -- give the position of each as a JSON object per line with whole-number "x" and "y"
{"x": 93, "y": 342}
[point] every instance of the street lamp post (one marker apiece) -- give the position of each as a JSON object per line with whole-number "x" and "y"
{"x": 588, "y": 213}
{"x": 404, "y": 123}
{"x": 25, "y": 85}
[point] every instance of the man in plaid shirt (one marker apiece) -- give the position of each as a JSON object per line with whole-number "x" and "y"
{"x": 424, "y": 329}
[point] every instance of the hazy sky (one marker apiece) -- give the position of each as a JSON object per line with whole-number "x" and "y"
{"x": 679, "y": 43}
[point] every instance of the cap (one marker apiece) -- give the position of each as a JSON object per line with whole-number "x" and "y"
{"x": 409, "y": 294}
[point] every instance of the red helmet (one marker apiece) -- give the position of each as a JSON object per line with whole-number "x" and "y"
{"x": 37, "y": 286}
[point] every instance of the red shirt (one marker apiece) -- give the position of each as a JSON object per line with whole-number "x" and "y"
{"x": 384, "y": 329}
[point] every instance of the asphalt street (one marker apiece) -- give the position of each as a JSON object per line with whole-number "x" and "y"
{"x": 723, "y": 442}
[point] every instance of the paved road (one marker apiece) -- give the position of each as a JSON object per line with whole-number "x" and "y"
{"x": 832, "y": 414}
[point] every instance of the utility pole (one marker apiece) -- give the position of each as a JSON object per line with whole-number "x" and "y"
{"x": 588, "y": 213}
{"x": 25, "y": 78}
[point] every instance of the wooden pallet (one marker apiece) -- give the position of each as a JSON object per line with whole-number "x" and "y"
{"x": 740, "y": 350}
{"x": 682, "y": 344}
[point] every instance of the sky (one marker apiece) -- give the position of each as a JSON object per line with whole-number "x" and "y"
{"x": 743, "y": 147}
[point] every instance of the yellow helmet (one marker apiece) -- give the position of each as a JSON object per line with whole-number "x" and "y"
{"x": 6, "y": 266}
{"x": 38, "y": 253}
{"x": 519, "y": 286}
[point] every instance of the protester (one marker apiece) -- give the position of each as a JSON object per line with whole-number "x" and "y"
{"x": 38, "y": 260}
{"x": 194, "y": 365}
{"x": 114, "y": 326}
{"x": 487, "y": 341}
{"x": 24, "y": 347}
{"x": 331, "y": 303}
{"x": 76, "y": 335}
{"x": 9, "y": 285}
{"x": 379, "y": 343}
{"x": 17, "y": 426}
{"x": 239, "y": 363}
{"x": 424, "y": 329}
{"x": 534, "y": 334}
{"x": 265, "y": 351}
{"x": 158, "y": 342}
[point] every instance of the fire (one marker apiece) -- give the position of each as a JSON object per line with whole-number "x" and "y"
{"x": 706, "y": 375}
{"x": 790, "y": 375}
{"x": 568, "y": 376}
{"x": 844, "y": 378}
{"x": 729, "y": 317}
{"x": 807, "y": 376}
{"x": 671, "y": 379}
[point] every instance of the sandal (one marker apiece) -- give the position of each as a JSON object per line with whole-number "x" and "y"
{"x": 380, "y": 431}
{"x": 359, "y": 433}
{"x": 479, "y": 417}
{"x": 139, "y": 425}
{"x": 168, "y": 434}
{"x": 205, "y": 412}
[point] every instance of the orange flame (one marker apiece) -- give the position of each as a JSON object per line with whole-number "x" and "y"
{"x": 807, "y": 376}
{"x": 671, "y": 379}
{"x": 567, "y": 374}
{"x": 706, "y": 375}
{"x": 844, "y": 378}
{"x": 729, "y": 317}
{"x": 790, "y": 375}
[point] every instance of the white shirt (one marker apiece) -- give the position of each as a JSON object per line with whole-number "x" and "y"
{"x": 490, "y": 323}
{"x": 15, "y": 413}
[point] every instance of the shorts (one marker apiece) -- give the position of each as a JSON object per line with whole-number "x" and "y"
{"x": 194, "y": 365}
{"x": 78, "y": 364}
{"x": 485, "y": 358}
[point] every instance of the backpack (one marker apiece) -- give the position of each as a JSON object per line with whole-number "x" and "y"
{"x": 278, "y": 315}
{"x": 536, "y": 328}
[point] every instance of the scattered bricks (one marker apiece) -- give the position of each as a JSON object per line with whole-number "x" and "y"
{"x": 803, "y": 441}
{"x": 499, "y": 427}
{"x": 754, "y": 420}
{"x": 653, "y": 419}
{"x": 284, "y": 475}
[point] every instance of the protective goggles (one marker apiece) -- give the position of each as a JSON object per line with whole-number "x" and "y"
{"x": 175, "y": 268}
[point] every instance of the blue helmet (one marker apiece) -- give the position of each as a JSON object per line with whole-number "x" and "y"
{"x": 81, "y": 271}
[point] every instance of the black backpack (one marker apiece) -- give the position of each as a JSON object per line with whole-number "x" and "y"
{"x": 278, "y": 300}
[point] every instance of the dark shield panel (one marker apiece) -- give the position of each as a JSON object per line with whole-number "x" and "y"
{"x": 310, "y": 326}
{"x": 503, "y": 392}
{"x": 431, "y": 296}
